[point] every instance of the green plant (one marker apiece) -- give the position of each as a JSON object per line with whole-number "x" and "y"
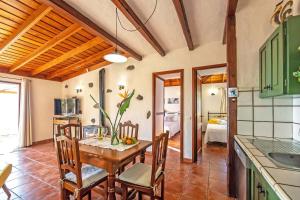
{"x": 297, "y": 74}
{"x": 122, "y": 107}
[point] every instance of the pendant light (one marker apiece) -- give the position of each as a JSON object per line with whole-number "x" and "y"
{"x": 115, "y": 57}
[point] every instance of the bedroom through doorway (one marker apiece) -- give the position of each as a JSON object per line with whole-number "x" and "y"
{"x": 168, "y": 107}
{"x": 209, "y": 109}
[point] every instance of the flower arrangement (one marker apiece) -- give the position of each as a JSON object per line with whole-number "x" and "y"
{"x": 122, "y": 107}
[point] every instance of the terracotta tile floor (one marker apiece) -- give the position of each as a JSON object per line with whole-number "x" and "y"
{"x": 35, "y": 175}
{"x": 175, "y": 141}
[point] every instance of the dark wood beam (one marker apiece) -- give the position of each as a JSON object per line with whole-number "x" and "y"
{"x": 232, "y": 102}
{"x": 231, "y": 10}
{"x": 179, "y": 7}
{"x": 138, "y": 24}
{"x": 62, "y": 7}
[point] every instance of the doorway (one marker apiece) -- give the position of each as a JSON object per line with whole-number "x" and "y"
{"x": 209, "y": 107}
{"x": 167, "y": 108}
{"x": 9, "y": 116}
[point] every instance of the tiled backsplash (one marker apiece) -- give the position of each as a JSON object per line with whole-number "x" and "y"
{"x": 296, "y": 117}
{"x": 271, "y": 117}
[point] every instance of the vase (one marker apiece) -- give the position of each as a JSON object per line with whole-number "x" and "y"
{"x": 114, "y": 138}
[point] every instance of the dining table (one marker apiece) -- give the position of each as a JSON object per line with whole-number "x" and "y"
{"x": 111, "y": 160}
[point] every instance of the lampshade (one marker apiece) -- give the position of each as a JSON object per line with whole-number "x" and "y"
{"x": 115, "y": 58}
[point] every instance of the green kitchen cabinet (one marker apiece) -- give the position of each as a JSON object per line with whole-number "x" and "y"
{"x": 260, "y": 189}
{"x": 279, "y": 58}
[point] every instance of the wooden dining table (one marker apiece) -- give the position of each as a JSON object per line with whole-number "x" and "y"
{"x": 112, "y": 160}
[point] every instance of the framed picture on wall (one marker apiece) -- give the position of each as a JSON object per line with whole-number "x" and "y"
{"x": 173, "y": 100}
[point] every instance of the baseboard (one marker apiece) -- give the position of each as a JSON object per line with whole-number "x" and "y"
{"x": 187, "y": 160}
{"x": 42, "y": 141}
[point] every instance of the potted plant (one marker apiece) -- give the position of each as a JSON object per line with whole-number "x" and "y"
{"x": 122, "y": 107}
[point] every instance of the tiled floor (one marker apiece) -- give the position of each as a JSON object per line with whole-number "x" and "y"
{"x": 35, "y": 175}
{"x": 174, "y": 141}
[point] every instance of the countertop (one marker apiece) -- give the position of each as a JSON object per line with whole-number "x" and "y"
{"x": 284, "y": 181}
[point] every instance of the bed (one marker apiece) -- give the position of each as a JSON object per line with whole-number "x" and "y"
{"x": 216, "y": 130}
{"x": 172, "y": 123}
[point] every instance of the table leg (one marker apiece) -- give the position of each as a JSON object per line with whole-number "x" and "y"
{"x": 111, "y": 186}
{"x": 142, "y": 158}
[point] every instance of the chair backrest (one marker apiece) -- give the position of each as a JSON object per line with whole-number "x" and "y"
{"x": 127, "y": 129}
{"x": 159, "y": 155}
{"x": 68, "y": 158}
{"x": 68, "y": 128}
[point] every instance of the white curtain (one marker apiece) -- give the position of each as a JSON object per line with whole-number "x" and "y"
{"x": 25, "y": 126}
{"x": 223, "y": 106}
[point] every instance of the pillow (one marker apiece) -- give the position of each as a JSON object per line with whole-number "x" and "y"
{"x": 214, "y": 121}
{"x": 171, "y": 117}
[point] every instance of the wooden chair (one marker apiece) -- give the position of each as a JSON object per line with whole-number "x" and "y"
{"x": 144, "y": 178}
{"x": 127, "y": 129}
{"x": 4, "y": 174}
{"x": 75, "y": 178}
{"x": 68, "y": 129}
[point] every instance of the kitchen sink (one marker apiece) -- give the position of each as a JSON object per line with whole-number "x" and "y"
{"x": 287, "y": 159}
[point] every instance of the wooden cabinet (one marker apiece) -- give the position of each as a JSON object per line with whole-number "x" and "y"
{"x": 260, "y": 189}
{"x": 279, "y": 57}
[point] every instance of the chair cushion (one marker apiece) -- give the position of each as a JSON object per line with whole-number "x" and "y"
{"x": 4, "y": 173}
{"x": 89, "y": 174}
{"x": 139, "y": 174}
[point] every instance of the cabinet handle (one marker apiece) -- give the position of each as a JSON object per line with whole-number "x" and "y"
{"x": 261, "y": 190}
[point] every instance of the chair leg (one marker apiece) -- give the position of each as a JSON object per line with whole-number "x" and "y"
{"x": 90, "y": 195}
{"x": 7, "y": 192}
{"x": 162, "y": 190}
{"x": 140, "y": 195}
{"x": 63, "y": 194}
{"x": 124, "y": 192}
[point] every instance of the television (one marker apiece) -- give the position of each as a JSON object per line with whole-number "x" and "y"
{"x": 67, "y": 107}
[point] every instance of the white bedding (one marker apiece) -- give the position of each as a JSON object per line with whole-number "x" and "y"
{"x": 172, "y": 124}
{"x": 216, "y": 133}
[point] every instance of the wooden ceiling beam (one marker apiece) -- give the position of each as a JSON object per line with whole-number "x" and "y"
{"x": 81, "y": 63}
{"x": 48, "y": 45}
{"x": 138, "y": 24}
{"x": 25, "y": 73}
{"x": 85, "y": 70}
{"x": 179, "y": 7}
{"x": 68, "y": 55}
{"x": 231, "y": 10}
{"x": 35, "y": 17}
{"x": 67, "y": 10}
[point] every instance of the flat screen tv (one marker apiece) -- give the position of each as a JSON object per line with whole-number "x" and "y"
{"x": 67, "y": 107}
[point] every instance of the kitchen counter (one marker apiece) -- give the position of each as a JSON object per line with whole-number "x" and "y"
{"x": 284, "y": 181}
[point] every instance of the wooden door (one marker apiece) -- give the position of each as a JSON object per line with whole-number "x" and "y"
{"x": 159, "y": 106}
{"x": 199, "y": 115}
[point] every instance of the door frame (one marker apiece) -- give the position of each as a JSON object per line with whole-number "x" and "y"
{"x": 19, "y": 95}
{"x": 156, "y": 75}
{"x": 194, "y": 106}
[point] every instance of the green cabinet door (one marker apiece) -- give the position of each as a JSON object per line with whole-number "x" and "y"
{"x": 275, "y": 45}
{"x": 260, "y": 189}
{"x": 271, "y": 65}
{"x": 279, "y": 58}
{"x": 263, "y": 71}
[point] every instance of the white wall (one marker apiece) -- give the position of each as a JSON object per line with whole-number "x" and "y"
{"x": 211, "y": 103}
{"x": 43, "y": 94}
{"x": 140, "y": 79}
{"x": 172, "y": 92}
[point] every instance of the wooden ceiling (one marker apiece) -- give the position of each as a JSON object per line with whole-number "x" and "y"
{"x": 50, "y": 40}
{"x": 215, "y": 78}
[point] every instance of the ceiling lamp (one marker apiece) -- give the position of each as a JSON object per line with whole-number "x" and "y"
{"x": 115, "y": 57}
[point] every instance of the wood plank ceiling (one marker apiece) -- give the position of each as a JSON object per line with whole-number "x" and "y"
{"x": 40, "y": 39}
